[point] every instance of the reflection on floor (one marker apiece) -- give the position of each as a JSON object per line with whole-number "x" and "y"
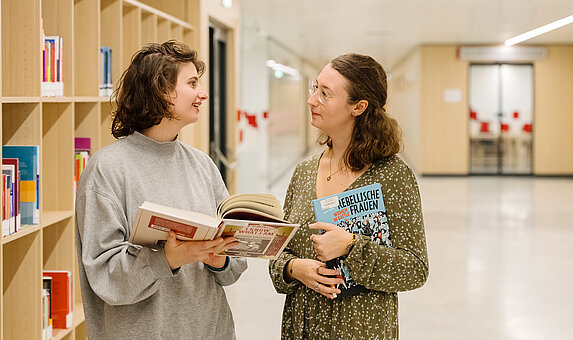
{"x": 500, "y": 265}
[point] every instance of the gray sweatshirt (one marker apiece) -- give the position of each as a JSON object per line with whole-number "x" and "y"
{"x": 129, "y": 292}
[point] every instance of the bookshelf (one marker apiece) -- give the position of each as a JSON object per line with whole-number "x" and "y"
{"x": 54, "y": 122}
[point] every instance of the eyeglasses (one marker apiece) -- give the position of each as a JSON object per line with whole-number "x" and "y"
{"x": 322, "y": 95}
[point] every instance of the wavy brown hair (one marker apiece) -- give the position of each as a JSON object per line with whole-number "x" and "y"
{"x": 143, "y": 96}
{"x": 376, "y": 135}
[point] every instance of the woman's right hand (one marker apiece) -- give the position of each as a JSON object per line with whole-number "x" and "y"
{"x": 316, "y": 276}
{"x": 179, "y": 253}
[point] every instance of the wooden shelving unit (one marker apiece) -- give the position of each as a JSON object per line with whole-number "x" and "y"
{"x": 52, "y": 123}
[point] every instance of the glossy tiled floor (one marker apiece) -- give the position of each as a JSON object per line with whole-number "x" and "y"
{"x": 501, "y": 265}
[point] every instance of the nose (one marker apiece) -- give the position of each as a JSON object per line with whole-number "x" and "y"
{"x": 313, "y": 99}
{"x": 201, "y": 93}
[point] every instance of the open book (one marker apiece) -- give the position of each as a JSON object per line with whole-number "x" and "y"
{"x": 255, "y": 220}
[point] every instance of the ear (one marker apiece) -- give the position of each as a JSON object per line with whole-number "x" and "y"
{"x": 171, "y": 97}
{"x": 359, "y": 107}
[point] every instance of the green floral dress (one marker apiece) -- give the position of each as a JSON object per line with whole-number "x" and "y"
{"x": 384, "y": 271}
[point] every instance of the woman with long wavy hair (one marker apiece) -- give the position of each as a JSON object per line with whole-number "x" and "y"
{"x": 347, "y": 104}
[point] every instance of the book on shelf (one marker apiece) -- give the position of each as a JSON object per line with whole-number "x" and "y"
{"x": 47, "y": 321}
{"x": 52, "y": 67}
{"x": 359, "y": 211}
{"x": 255, "y": 220}
{"x": 14, "y": 166}
{"x": 81, "y": 157}
{"x": 106, "y": 86}
{"x": 61, "y": 297}
{"x": 29, "y": 190}
{"x": 10, "y": 178}
{"x": 5, "y": 204}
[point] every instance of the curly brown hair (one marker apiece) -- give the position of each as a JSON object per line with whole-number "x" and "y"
{"x": 376, "y": 134}
{"x": 143, "y": 96}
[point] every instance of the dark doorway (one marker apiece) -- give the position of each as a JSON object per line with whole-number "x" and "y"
{"x": 218, "y": 98}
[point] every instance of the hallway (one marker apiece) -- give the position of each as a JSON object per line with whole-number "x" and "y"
{"x": 500, "y": 265}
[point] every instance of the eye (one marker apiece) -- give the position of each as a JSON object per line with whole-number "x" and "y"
{"x": 193, "y": 83}
{"x": 324, "y": 93}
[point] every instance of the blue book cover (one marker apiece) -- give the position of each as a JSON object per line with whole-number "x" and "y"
{"x": 358, "y": 211}
{"x": 29, "y": 160}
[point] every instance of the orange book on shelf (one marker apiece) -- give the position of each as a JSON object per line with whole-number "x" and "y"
{"x": 62, "y": 303}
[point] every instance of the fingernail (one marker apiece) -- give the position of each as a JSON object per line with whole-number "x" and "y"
{"x": 339, "y": 276}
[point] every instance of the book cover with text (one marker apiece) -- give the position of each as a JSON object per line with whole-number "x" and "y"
{"x": 358, "y": 211}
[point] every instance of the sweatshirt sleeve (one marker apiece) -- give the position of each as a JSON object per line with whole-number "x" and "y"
{"x": 117, "y": 271}
{"x": 404, "y": 266}
{"x": 231, "y": 272}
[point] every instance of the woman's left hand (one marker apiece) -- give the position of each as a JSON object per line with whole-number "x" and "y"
{"x": 332, "y": 243}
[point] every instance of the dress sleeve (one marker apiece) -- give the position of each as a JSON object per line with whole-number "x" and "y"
{"x": 117, "y": 271}
{"x": 276, "y": 267}
{"x": 404, "y": 266}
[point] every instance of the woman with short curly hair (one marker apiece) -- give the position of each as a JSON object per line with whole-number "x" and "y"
{"x": 130, "y": 291}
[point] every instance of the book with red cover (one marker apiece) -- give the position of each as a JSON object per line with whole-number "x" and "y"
{"x": 62, "y": 301}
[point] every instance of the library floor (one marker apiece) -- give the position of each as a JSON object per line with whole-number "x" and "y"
{"x": 501, "y": 265}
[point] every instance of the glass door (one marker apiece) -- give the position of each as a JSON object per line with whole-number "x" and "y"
{"x": 501, "y": 119}
{"x": 218, "y": 98}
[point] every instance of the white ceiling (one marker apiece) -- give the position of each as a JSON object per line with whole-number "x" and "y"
{"x": 389, "y": 30}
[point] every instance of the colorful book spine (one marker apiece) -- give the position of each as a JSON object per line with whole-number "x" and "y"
{"x": 81, "y": 157}
{"x": 62, "y": 298}
{"x": 106, "y": 86}
{"x": 10, "y": 208}
{"x": 16, "y": 192}
{"x": 52, "y": 67}
{"x": 29, "y": 159}
{"x": 359, "y": 211}
{"x": 5, "y": 212}
{"x": 47, "y": 321}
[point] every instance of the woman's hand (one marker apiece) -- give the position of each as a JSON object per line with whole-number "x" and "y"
{"x": 316, "y": 276}
{"x": 179, "y": 253}
{"x": 332, "y": 243}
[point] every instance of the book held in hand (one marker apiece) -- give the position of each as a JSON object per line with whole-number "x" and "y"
{"x": 255, "y": 220}
{"x": 358, "y": 211}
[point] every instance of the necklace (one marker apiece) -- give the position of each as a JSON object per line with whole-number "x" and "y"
{"x": 330, "y": 169}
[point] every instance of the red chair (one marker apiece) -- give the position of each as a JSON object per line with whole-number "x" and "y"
{"x": 484, "y": 127}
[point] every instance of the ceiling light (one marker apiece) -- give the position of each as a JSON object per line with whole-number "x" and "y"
{"x": 282, "y": 69}
{"x": 227, "y": 3}
{"x": 539, "y": 31}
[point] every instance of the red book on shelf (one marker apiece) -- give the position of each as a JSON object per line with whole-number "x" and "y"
{"x": 62, "y": 302}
